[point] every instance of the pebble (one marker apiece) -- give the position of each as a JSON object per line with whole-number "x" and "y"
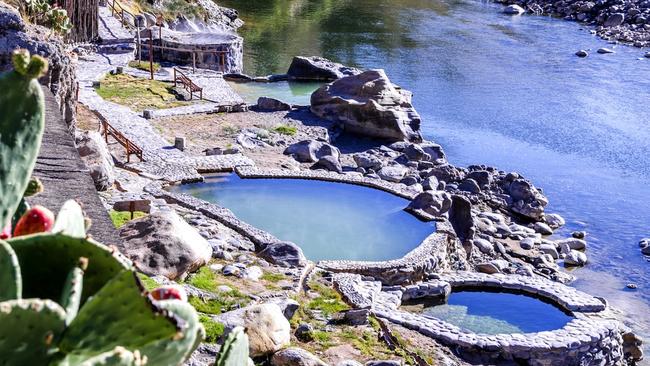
{"x": 575, "y": 258}
{"x": 549, "y": 249}
{"x": 631, "y": 286}
{"x": 231, "y": 270}
{"x": 484, "y": 246}
{"x": 526, "y": 243}
{"x": 542, "y": 228}
{"x": 579, "y": 234}
{"x": 605, "y": 50}
{"x": 582, "y": 53}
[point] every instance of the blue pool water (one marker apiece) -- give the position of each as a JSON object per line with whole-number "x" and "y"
{"x": 328, "y": 220}
{"x": 298, "y": 93}
{"x": 498, "y": 312}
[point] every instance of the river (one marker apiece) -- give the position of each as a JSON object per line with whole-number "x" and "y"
{"x": 505, "y": 91}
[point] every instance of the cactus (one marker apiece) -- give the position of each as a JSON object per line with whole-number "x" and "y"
{"x": 70, "y": 220}
{"x": 46, "y": 259}
{"x": 234, "y": 351}
{"x": 21, "y": 128}
{"x": 30, "y": 330}
{"x": 37, "y": 219}
{"x": 120, "y": 356}
{"x": 71, "y": 296}
{"x": 34, "y": 187}
{"x": 10, "y": 280}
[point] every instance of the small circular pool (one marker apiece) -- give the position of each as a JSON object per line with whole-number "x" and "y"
{"x": 327, "y": 220}
{"x": 489, "y": 312}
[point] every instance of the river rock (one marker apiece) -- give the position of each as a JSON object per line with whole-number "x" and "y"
{"x": 513, "y": 10}
{"x": 272, "y": 104}
{"x": 435, "y": 151}
{"x": 575, "y": 258}
{"x": 162, "y": 243}
{"x": 582, "y": 53}
{"x": 384, "y": 363}
{"x": 549, "y": 249}
{"x": 304, "y": 332}
{"x": 469, "y": 185}
{"x": 527, "y": 200}
{"x": 367, "y": 161}
{"x": 446, "y": 173}
{"x": 330, "y": 163}
{"x": 614, "y": 20}
{"x": 310, "y": 151}
{"x": 647, "y": 55}
{"x": 393, "y": 173}
{"x": 460, "y": 217}
{"x": 488, "y": 268}
{"x": 285, "y": 254}
{"x": 369, "y": 104}
{"x": 435, "y": 203}
{"x": 253, "y": 273}
{"x": 605, "y": 50}
{"x": 295, "y": 357}
{"x": 484, "y": 246}
{"x": 267, "y": 329}
{"x": 430, "y": 183}
{"x": 572, "y": 243}
{"x": 527, "y": 243}
{"x": 554, "y": 220}
{"x": 415, "y": 153}
{"x": 94, "y": 153}
{"x": 318, "y": 68}
{"x": 542, "y": 228}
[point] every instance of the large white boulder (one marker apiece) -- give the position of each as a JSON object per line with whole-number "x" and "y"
{"x": 266, "y": 326}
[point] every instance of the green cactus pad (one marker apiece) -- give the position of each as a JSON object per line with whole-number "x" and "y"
{"x": 120, "y": 314}
{"x": 21, "y": 129}
{"x": 10, "y": 280}
{"x": 175, "y": 351}
{"x": 34, "y": 187}
{"x": 119, "y": 356}
{"x": 71, "y": 296}
{"x": 234, "y": 351}
{"x": 70, "y": 220}
{"x": 23, "y": 207}
{"x": 46, "y": 259}
{"x": 29, "y": 331}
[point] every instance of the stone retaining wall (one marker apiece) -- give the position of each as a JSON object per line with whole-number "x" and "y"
{"x": 589, "y": 339}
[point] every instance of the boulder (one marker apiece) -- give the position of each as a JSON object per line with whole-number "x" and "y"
{"x": 414, "y": 152}
{"x": 484, "y": 246}
{"x": 572, "y": 243}
{"x": 310, "y": 151}
{"x": 582, "y": 53}
{"x": 554, "y": 221}
{"x": 94, "y": 153}
{"x": 393, "y": 173}
{"x": 605, "y": 50}
{"x": 369, "y": 104}
{"x": 513, "y": 10}
{"x": 430, "y": 183}
{"x": 526, "y": 199}
{"x": 460, "y": 217}
{"x": 575, "y": 258}
{"x": 272, "y": 104}
{"x": 367, "y": 161}
{"x": 163, "y": 244}
{"x": 295, "y": 357}
{"x": 285, "y": 254}
{"x": 469, "y": 185}
{"x": 267, "y": 329}
{"x": 447, "y": 173}
{"x": 304, "y": 332}
{"x": 549, "y": 249}
{"x": 435, "y": 203}
{"x": 318, "y": 68}
{"x": 614, "y": 20}
{"x": 330, "y": 163}
{"x": 543, "y": 228}
{"x": 435, "y": 151}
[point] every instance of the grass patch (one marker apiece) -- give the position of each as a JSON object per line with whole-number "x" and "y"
{"x": 229, "y": 130}
{"x": 285, "y": 130}
{"x": 273, "y": 277}
{"x": 144, "y": 65}
{"x": 222, "y": 303}
{"x": 120, "y": 218}
{"x": 138, "y": 93}
{"x": 204, "y": 279}
{"x": 328, "y": 300}
{"x": 213, "y": 330}
{"x": 147, "y": 282}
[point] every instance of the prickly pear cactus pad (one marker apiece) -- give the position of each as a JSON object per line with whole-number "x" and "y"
{"x": 70, "y": 220}
{"x": 29, "y": 331}
{"x": 22, "y": 121}
{"x": 234, "y": 351}
{"x": 175, "y": 351}
{"x": 120, "y": 314}
{"x": 120, "y": 356}
{"x": 10, "y": 280}
{"x": 46, "y": 260}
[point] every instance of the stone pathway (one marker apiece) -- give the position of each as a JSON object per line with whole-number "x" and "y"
{"x": 161, "y": 160}
{"x": 111, "y": 30}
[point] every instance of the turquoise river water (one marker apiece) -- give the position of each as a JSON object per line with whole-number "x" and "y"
{"x": 506, "y": 91}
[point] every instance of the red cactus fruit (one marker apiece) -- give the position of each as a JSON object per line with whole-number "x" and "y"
{"x": 37, "y": 219}
{"x": 170, "y": 292}
{"x": 6, "y": 232}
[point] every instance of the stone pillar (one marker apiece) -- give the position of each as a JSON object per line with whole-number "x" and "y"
{"x": 179, "y": 143}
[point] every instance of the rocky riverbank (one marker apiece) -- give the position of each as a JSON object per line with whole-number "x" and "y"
{"x": 624, "y": 21}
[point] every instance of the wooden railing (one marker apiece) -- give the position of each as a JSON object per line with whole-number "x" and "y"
{"x": 107, "y": 129}
{"x": 118, "y": 11}
{"x": 187, "y": 83}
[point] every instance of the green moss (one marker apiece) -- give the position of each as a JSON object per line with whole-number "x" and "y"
{"x": 204, "y": 279}
{"x": 120, "y": 218}
{"x": 213, "y": 330}
{"x": 273, "y": 277}
{"x": 286, "y": 130}
{"x": 147, "y": 282}
{"x": 138, "y": 93}
{"x": 328, "y": 300}
{"x": 324, "y": 339}
{"x": 211, "y": 306}
{"x": 144, "y": 65}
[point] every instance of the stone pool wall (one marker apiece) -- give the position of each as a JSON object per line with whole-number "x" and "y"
{"x": 589, "y": 339}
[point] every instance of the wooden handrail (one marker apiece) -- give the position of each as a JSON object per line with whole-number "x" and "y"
{"x": 187, "y": 83}
{"x": 131, "y": 148}
{"x": 117, "y": 8}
